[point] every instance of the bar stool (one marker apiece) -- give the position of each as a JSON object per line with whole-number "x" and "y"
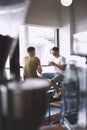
{"x": 56, "y": 104}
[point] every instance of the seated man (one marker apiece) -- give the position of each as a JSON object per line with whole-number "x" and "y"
{"x": 59, "y": 63}
{"x": 32, "y": 64}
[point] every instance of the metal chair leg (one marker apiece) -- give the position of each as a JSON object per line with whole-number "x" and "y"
{"x": 49, "y": 113}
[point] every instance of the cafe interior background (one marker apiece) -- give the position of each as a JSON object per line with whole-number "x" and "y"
{"x": 48, "y": 23}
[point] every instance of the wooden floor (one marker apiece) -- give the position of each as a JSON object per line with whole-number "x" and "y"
{"x": 54, "y": 113}
{"x": 45, "y": 120}
{"x": 55, "y": 116}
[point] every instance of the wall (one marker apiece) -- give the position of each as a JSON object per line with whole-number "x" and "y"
{"x": 73, "y": 20}
{"x": 44, "y": 12}
{"x": 64, "y": 33}
{"x": 80, "y": 15}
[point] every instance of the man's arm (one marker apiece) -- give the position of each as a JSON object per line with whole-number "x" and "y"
{"x": 39, "y": 69}
{"x": 62, "y": 67}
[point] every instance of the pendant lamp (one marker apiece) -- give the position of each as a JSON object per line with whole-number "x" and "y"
{"x": 66, "y": 2}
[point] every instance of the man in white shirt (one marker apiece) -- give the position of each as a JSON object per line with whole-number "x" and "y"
{"x": 59, "y": 64}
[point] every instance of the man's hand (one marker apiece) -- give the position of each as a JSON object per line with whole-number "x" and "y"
{"x": 62, "y": 67}
{"x": 52, "y": 63}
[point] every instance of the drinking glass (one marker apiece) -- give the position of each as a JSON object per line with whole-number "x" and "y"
{"x": 25, "y": 104}
{"x": 80, "y": 43}
{"x": 80, "y": 49}
{"x": 12, "y": 14}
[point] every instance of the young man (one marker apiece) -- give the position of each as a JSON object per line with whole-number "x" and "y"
{"x": 32, "y": 64}
{"x": 59, "y": 63}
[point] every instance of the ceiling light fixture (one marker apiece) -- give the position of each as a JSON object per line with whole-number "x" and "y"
{"x": 66, "y": 2}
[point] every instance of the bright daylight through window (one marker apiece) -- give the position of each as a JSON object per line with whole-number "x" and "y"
{"x": 42, "y": 38}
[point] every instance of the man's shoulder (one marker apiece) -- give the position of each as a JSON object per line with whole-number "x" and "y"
{"x": 36, "y": 58}
{"x": 33, "y": 57}
{"x": 62, "y": 57}
{"x": 25, "y": 58}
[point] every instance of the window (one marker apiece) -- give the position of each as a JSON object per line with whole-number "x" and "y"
{"x": 42, "y": 38}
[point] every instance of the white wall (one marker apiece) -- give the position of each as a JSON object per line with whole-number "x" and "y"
{"x": 64, "y": 32}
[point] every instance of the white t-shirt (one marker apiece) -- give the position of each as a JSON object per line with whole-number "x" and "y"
{"x": 60, "y": 61}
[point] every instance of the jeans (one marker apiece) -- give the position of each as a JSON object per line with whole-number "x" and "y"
{"x": 56, "y": 77}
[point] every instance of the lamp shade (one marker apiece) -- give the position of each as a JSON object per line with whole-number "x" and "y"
{"x": 66, "y": 2}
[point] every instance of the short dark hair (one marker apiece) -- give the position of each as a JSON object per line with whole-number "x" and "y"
{"x": 55, "y": 49}
{"x": 30, "y": 49}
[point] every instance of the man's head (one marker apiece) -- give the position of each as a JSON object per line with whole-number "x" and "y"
{"x": 55, "y": 51}
{"x": 31, "y": 51}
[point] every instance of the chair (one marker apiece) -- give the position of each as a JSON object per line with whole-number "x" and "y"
{"x": 56, "y": 104}
{"x": 69, "y": 106}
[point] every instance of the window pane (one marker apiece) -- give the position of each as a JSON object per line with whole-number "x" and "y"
{"x": 42, "y": 38}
